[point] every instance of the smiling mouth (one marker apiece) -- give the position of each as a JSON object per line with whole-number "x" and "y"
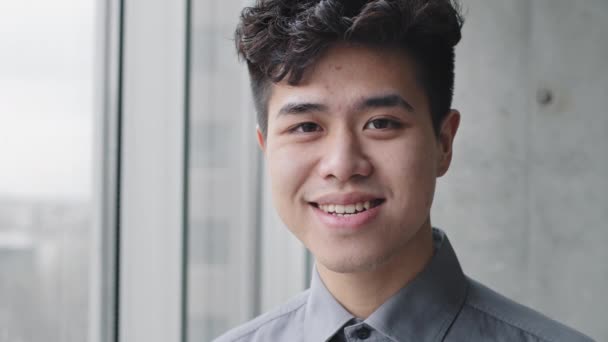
{"x": 348, "y": 209}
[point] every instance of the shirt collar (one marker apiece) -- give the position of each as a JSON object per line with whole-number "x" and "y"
{"x": 421, "y": 311}
{"x": 324, "y": 315}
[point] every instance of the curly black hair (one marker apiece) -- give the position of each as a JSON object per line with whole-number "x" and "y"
{"x": 282, "y": 38}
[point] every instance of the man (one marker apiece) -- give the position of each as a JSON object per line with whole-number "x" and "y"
{"x": 355, "y": 122}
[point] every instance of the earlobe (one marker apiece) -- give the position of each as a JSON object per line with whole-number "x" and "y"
{"x": 449, "y": 127}
{"x": 260, "y": 136}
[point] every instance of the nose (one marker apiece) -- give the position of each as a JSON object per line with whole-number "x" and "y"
{"x": 343, "y": 158}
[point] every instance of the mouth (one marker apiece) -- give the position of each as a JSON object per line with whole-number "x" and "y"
{"x": 346, "y": 210}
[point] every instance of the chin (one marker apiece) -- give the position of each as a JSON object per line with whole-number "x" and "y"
{"x": 353, "y": 263}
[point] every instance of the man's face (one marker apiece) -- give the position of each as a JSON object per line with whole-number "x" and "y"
{"x": 353, "y": 157}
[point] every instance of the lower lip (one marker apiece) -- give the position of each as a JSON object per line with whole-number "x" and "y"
{"x": 350, "y": 222}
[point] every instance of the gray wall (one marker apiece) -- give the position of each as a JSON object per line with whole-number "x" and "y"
{"x": 526, "y": 200}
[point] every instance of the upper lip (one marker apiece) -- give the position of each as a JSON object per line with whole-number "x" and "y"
{"x": 345, "y": 198}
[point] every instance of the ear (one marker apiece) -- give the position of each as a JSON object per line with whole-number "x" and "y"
{"x": 261, "y": 141}
{"x": 447, "y": 132}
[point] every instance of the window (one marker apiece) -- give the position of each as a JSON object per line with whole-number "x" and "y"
{"x": 223, "y": 178}
{"x": 48, "y": 236}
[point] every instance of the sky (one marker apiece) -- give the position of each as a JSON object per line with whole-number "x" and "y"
{"x": 47, "y": 67}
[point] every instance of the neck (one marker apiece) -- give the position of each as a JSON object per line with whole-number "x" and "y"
{"x": 361, "y": 293}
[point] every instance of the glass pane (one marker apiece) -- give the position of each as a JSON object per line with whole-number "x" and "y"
{"x": 223, "y": 177}
{"x": 46, "y": 147}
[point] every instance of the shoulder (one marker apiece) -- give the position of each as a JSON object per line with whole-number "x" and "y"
{"x": 271, "y": 325}
{"x": 504, "y": 318}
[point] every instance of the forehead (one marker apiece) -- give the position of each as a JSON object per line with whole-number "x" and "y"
{"x": 345, "y": 74}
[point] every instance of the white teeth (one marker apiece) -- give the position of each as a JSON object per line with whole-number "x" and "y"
{"x": 345, "y": 209}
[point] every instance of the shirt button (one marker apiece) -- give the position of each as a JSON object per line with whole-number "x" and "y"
{"x": 363, "y": 333}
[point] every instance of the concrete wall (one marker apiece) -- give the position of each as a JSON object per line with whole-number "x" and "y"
{"x": 526, "y": 200}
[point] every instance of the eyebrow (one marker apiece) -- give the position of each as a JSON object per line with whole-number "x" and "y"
{"x": 301, "y": 108}
{"x": 390, "y": 100}
{"x": 381, "y": 101}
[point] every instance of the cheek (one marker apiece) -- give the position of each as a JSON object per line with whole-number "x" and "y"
{"x": 411, "y": 168}
{"x": 287, "y": 174}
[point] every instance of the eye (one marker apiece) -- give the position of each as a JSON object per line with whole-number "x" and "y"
{"x": 306, "y": 127}
{"x": 382, "y": 123}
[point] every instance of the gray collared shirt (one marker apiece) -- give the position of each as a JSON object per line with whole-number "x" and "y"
{"x": 440, "y": 304}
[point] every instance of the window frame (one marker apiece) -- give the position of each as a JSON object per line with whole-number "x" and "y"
{"x": 152, "y": 170}
{"x": 103, "y": 284}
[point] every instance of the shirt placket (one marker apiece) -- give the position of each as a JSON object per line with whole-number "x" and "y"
{"x": 361, "y": 332}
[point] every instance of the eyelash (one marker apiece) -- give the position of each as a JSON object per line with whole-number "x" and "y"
{"x": 296, "y": 129}
{"x": 392, "y": 123}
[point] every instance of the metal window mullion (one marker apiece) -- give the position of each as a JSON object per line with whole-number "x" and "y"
{"x": 103, "y": 274}
{"x": 152, "y": 171}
